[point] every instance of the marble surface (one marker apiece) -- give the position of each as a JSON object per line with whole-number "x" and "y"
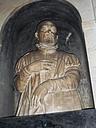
{"x": 90, "y": 35}
{"x": 85, "y": 8}
{"x": 76, "y": 119}
{"x": 94, "y": 8}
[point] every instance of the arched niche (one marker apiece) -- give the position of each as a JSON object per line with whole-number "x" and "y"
{"x": 18, "y": 38}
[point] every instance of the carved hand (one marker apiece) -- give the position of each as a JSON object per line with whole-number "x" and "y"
{"x": 39, "y": 65}
{"x": 40, "y": 93}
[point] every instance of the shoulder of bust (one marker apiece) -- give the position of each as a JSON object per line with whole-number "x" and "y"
{"x": 25, "y": 60}
{"x": 66, "y": 54}
{"x": 70, "y": 59}
{"x": 27, "y": 55}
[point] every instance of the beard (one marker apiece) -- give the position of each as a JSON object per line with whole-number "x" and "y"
{"x": 49, "y": 43}
{"x": 49, "y": 40}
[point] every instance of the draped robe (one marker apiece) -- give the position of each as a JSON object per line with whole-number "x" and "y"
{"x": 65, "y": 76}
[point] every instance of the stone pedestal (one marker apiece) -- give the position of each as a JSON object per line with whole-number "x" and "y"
{"x": 76, "y": 119}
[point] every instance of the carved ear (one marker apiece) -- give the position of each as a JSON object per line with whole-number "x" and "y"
{"x": 36, "y": 35}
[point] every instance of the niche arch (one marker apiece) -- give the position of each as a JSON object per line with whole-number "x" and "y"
{"x": 17, "y": 37}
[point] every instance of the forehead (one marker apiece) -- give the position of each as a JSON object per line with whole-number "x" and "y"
{"x": 48, "y": 24}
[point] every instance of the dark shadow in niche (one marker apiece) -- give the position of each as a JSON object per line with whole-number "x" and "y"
{"x": 18, "y": 39}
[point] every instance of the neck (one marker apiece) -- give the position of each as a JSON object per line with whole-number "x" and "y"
{"x": 47, "y": 49}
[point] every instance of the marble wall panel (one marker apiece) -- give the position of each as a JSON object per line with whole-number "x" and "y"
{"x": 90, "y": 37}
{"x": 85, "y": 8}
{"x": 94, "y": 7}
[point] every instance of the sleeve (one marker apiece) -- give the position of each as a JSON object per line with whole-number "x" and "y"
{"x": 72, "y": 62}
{"x": 23, "y": 62}
{"x": 22, "y": 74}
{"x": 71, "y": 77}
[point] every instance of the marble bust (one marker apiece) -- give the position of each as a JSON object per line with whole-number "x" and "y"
{"x": 47, "y": 79}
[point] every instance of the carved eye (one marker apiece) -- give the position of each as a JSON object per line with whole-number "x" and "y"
{"x": 44, "y": 29}
{"x": 53, "y": 29}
